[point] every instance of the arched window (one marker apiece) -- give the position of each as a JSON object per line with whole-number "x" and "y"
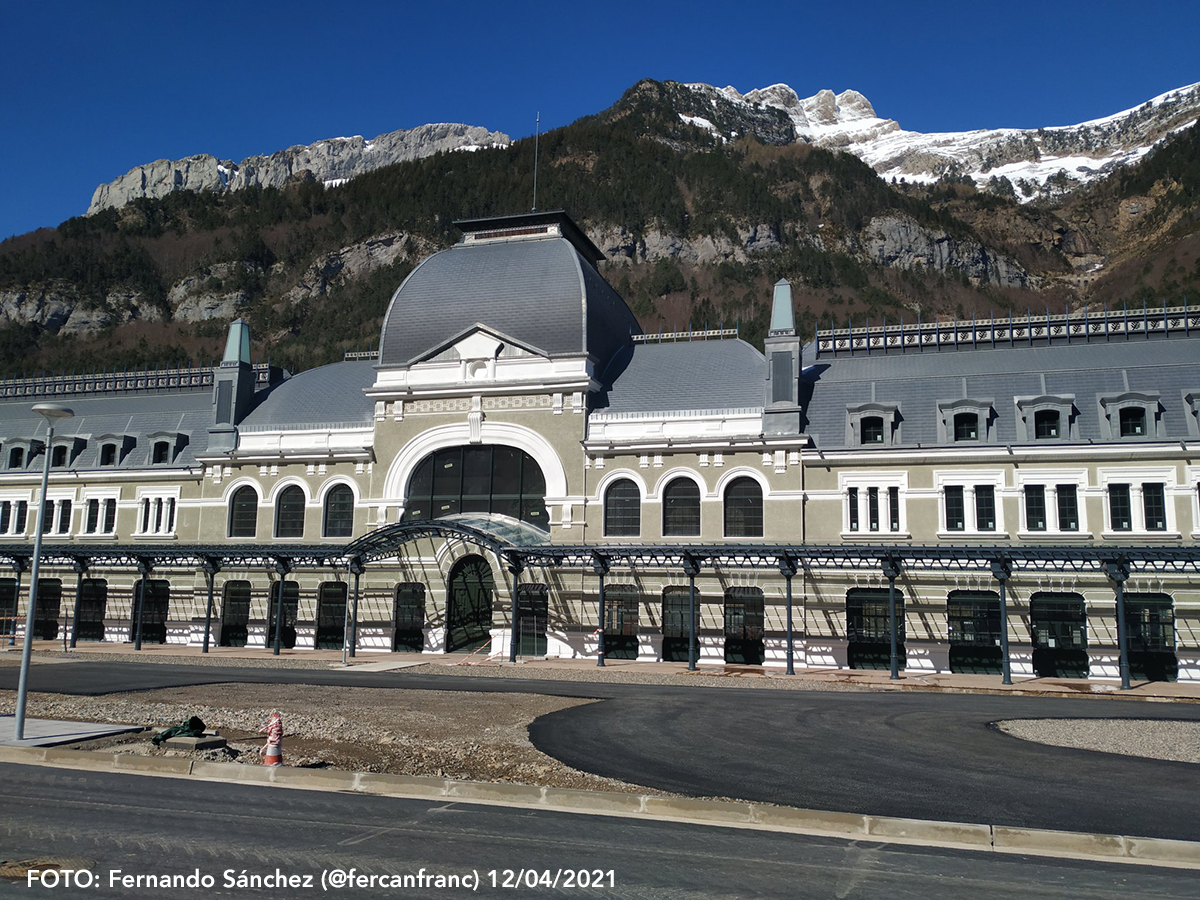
{"x": 243, "y": 513}
{"x": 162, "y": 453}
{"x": 681, "y": 508}
{"x": 1133, "y": 421}
{"x": 16, "y": 458}
{"x": 478, "y": 479}
{"x": 338, "y": 520}
{"x": 623, "y": 509}
{"x": 58, "y": 456}
{"x": 743, "y": 508}
{"x": 289, "y": 513}
{"x": 108, "y": 455}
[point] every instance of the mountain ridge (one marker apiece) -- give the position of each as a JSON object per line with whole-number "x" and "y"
{"x": 329, "y": 161}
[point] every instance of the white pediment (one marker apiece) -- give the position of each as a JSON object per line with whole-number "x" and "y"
{"x": 479, "y": 345}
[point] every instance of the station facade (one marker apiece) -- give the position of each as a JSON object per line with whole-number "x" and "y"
{"x": 516, "y": 437}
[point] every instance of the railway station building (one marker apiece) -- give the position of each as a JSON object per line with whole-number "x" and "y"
{"x": 518, "y": 450}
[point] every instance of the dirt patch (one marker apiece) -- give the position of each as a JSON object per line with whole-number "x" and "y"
{"x": 446, "y": 734}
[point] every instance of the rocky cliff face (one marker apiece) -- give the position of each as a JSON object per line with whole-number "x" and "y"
{"x": 331, "y": 161}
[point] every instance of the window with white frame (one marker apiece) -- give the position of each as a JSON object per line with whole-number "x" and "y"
{"x": 874, "y": 424}
{"x": 99, "y": 515}
{"x": 14, "y": 516}
{"x": 1138, "y": 500}
{"x": 1051, "y": 500}
{"x": 58, "y": 515}
{"x": 873, "y": 503}
{"x": 156, "y": 513}
{"x": 970, "y": 502}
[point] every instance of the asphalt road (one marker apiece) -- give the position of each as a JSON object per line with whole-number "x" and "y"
{"x": 142, "y": 825}
{"x": 919, "y": 755}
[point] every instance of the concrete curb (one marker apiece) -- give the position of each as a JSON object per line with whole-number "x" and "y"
{"x": 722, "y": 813}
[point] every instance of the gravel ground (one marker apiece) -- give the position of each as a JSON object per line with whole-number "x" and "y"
{"x": 468, "y": 736}
{"x": 1151, "y": 738}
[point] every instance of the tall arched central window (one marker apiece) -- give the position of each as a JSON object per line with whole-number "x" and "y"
{"x": 478, "y": 479}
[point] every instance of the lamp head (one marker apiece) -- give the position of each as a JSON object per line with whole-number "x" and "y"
{"x": 53, "y": 411}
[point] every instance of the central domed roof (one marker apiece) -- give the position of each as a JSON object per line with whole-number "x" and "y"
{"x": 523, "y": 277}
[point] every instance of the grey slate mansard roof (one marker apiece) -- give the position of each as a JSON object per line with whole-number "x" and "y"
{"x": 326, "y": 395}
{"x": 918, "y": 381}
{"x": 137, "y": 414}
{"x": 540, "y": 292}
{"x": 688, "y": 375}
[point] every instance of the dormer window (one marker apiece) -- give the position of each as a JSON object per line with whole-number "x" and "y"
{"x": 108, "y": 455}
{"x": 1133, "y": 421}
{"x": 165, "y": 447}
{"x": 16, "y": 458}
{"x": 1046, "y": 424}
{"x": 1047, "y": 418}
{"x": 872, "y": 430}
{"x": 58, "y": 457}
{"x": 966, "y": 427}
{"x": 1132, "y": 415}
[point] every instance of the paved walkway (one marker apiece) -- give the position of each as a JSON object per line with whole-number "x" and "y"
{"x": 371, "y": 661}
{"x": 51, "y": 732}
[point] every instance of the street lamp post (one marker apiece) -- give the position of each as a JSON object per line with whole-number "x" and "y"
{"x": 52, "y": 412}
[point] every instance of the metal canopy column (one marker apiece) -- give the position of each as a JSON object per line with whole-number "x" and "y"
{"x": 80, "y": 567}
{"x": 891, "y": 569}
{"x": 143, "y": 568}
{"x": 512, "y": 562}
{"x": 787, "y": 568}
{"x": 282, "y": 568}
{"x": 1002, "y": 571}
{"x": 691, "y": 568}
{"x": 600, "y": 567}
{"x": 210, "y": 569}
{"x": 1118, "y": 572}
{"x": 356, "y": 569}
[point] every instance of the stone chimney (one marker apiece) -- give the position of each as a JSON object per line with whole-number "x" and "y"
{"x": 781, "y": 409}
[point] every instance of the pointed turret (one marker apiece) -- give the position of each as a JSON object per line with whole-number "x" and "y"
{"x": 233, "y": 388}
{"x": 781, "y": 411}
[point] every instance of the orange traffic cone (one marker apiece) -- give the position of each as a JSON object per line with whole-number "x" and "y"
{"x": 273, "y": 751}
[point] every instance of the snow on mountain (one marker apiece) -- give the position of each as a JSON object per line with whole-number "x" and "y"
{"x": 1034, "y": 161}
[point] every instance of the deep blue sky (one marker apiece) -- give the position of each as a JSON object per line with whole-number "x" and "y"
{"x": 91, "y": 89}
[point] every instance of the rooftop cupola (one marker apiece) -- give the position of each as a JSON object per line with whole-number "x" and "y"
{"x": 781, "y": 410}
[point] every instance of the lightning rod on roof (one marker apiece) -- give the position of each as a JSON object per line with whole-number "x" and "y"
{"x": 537, "y": 136}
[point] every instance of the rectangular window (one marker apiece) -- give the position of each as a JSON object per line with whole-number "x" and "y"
{"x": 93, "y": 517}
{"x": 22, "y": 514}
{"x": 5, "y": 516}
{"x": 110, "y": 516}
{"x": 1068, "y": 507}
{"x": 985, "y": 507}
{"x": 873, "y": 508}
{"x": 1154, "y": 502}
{"x": 852, "y": 500}
{"x": 64, "y": 517}
{"x": 1035, "y": 507}
{"x": 894, "y": 507}
{"x": 956, "y": 519}
{"x": 1120, "y": 510}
